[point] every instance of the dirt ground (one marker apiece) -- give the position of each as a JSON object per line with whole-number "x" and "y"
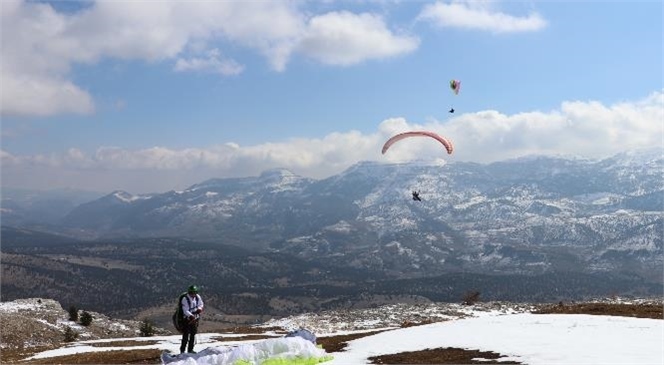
{"x": 653, "y": 311}
{"x": 338, "y": 343}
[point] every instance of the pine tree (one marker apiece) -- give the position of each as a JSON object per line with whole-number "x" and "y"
{"x": 70, "y": 334}
{"x": 73, "y": 313}
{"x": 86, "y": 318}
{"x": 146, "y": 328}
{"x": 471, "y": 297}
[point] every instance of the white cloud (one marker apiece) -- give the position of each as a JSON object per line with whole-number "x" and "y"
{"x": 212, "y": 62}
{"x": 7, "y": 158}
{"x": 583, "y": 128}
{"x": 343, "y": 38}
{"x": 42, "y": 96}
{"x": 480, "y": 16}
{"x": 271, "y": 27}
{"x": 34, "y": 60}
{"x": 40, "y": 45}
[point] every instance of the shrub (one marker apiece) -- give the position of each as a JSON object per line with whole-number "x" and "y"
{"x": 70, "y": 334}
{"x": 73, "y": 313}
{"x": 146, "y": 328}
{"x": 86, "y": 318}
{"x": 471, "y": 297}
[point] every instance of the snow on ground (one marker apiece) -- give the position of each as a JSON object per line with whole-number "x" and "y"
{"x": 525, "y": 337}
{"x": 19, "y": 306}
{"x": 334, "y": 322}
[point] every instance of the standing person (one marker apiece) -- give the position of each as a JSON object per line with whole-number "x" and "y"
{"x": 192, "y": 306}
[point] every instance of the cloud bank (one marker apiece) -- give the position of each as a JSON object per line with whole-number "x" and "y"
{"x": 583, "y": 128}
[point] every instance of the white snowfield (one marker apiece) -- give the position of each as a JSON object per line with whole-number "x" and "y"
{"x": 524, "y": 337}
{"x": 527, "y": 338}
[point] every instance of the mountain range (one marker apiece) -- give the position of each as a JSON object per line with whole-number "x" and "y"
{"x": 532, "y": 215}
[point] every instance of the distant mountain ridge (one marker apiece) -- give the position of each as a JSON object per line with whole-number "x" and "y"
{"x": 23, "y": 207}
{"x": 523, "y": 216}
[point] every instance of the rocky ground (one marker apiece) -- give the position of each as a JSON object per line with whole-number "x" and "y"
{"x": 33, "y": 325}
{"x": 38, "y": 324}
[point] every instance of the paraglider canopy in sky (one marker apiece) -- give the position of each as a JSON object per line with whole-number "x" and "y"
{"x": 445, "y": 142}
{"x": 455, "y": 85}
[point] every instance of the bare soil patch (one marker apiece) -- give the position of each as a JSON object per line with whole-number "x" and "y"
{"x": 260, "y": 330}
{"x": 449, "y": 355}
{"x": 339, "y": 343}
{"x": 150, "y": 356}
{"x": 654, "y": 311}
{"x": 240, "y": 338}
{"x": 123, "y": 343}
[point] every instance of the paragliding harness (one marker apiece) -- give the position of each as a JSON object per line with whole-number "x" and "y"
{"x": 178, "y": 317}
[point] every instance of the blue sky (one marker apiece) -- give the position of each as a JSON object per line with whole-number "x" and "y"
{"x": 149, "y": 96}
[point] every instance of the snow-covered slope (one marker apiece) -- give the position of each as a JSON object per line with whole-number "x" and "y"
{"x": 509, "y": 329}
{"x": 37, "y": 323}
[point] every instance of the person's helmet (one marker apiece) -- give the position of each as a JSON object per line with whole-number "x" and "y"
{"x": 192, "y": 289}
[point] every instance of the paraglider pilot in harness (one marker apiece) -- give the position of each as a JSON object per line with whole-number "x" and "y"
{"x": 416, "y": 196}
{"x": 192, "y": 306}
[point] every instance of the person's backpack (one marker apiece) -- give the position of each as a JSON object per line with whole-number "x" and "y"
{"x": 178, "y": 316}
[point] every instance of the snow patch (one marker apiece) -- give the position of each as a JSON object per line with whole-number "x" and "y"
{"x": 340, "y": 227}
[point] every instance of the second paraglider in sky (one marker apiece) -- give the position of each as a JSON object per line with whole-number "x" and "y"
{"x": 455, "y": 85}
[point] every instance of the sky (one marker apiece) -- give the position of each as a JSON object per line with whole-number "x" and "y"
{"x": 151, "y": 96}
{"x": 528, "y": 338}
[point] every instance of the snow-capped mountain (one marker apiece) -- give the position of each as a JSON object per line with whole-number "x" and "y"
{"x": 528, "y": 215}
